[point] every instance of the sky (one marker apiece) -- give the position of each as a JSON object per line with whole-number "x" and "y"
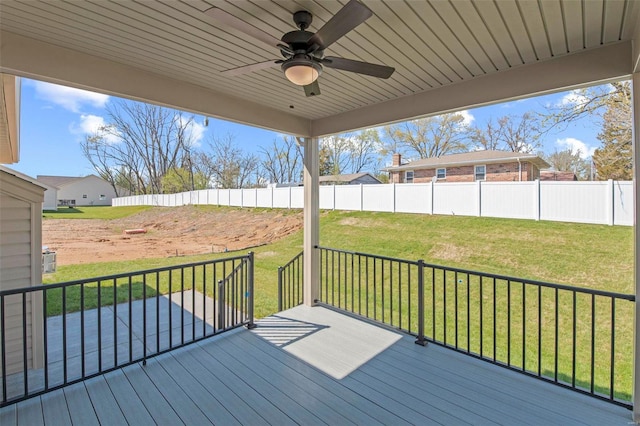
{"x": 54, "y": 120}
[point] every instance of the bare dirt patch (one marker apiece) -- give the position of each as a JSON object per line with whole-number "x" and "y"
{"x": 170, "y": 231}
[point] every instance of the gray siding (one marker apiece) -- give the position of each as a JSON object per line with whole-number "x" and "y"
{"x": 16, "y": 267}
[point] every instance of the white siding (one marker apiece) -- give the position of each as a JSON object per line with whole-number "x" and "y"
{"x": 92, "y": 187}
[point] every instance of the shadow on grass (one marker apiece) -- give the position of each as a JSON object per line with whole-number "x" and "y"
{"x": 63, "y": 210}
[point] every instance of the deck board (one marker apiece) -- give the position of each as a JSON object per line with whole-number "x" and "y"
{"x": 308, "y": 366}
{"x": 79, "y": 405}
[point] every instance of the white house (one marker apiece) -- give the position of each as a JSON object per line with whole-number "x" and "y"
{"x": 76, "y": 191}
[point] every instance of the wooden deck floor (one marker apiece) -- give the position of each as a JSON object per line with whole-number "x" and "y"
{"x": 313, "y": 366}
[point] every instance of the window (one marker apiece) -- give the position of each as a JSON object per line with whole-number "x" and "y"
{"x": 441, "y": 173}
{"x": 480, "y": 172}
{"x": 408, "y": 176}
{"x": 103, "y": 197}
{"x": 84, "y": 195}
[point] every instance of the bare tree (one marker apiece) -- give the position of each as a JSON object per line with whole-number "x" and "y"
{"x": 510, "y": 133}
{"x": 282, "y": 162}
{"x": 431, "y": 136}
{"x": 350, "y": 152}
{"x": 142, "y": 142}
{"x": 569, "y": 160}
{"x": 228, "y": 165}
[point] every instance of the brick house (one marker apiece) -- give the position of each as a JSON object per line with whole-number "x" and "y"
{"x": 468, "y": 167}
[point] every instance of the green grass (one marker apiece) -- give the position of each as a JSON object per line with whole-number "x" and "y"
{"x": 93, "y": 212}
{"x": 581, "y": 255}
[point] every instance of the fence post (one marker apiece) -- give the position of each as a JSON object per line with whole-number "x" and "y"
{"x": 280, "y": 295}
{"x": 479, "y": 198}
{"x": 536, "y": 200}
{"x": 394, "y": 197}
{"x": 420, "y": 340}
{"x": 609, "y": 204}
{"x": 361, "y": 197}
{"x": 432, "y": 197}
{"x": 251, "y": 324}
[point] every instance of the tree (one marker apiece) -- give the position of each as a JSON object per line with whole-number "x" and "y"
{"x": 139, "y": 145}
{"x": 183, "y": 179}
{"x": 509, "y": 133}
{"x": 349, "y": 153}
{"x": 431, "y": 136}
{"x": 608, "y": 106}
{"x": 227, "y": 164}
{"x": 614, "y": 160}
{"x": 282, "y": 162}
{"x": 568, "y": 160}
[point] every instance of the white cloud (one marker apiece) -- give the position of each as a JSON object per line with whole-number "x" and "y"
{"x": 573, "y": 98}
{"x": 91, "y": 125}
{"x": 468, "y": 117}
{"x": 576, "y": 145}
{"x": 68, "y": 97}
{"x": 195, "y": 130}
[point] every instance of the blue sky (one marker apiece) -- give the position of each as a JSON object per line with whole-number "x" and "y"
{"x": 55, "y": 119}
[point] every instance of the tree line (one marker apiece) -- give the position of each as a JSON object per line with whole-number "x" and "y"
{"x": 148, "y": 149}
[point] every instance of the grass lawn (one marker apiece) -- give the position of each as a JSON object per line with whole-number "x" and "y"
{"x": 581, "y": 255}
{"x": 93, "y": 212}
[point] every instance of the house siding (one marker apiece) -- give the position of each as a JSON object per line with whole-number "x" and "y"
{"x": 20, "y": 267}
{"x": 497, "y": 172}
{"x": 92, "y": 187}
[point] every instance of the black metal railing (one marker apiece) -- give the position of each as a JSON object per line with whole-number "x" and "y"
{"x": 59, "y": 334}
{"x": 574, "y": 337}
{"x": 290, "y": 288}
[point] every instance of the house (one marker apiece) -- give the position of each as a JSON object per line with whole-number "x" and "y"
{"x": 89, "y": 190}
{"x": 468, "y": 167}
{"x": 559, "y": 176}
{"x": 349, "y": 179}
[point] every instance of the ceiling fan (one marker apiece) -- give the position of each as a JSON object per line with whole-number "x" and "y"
{"x": 303, "y": 51}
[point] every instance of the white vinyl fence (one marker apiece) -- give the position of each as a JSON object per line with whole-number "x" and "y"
{"x": 609, "y": 202}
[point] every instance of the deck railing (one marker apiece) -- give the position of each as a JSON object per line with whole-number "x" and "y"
{"x": 574, "y": 337}
{"x": 290, "y": 283}
{"x": 55, "y": 335}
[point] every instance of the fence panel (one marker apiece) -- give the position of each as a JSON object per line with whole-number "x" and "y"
{"x": 327, "y": 202}
{"x": 249, "y": 197}
{"x": 264, "y": 198}
{"x": 297, "y": 197}
{"x": 623, "y": 203}
{"x": 235, "y": 197}
{"x": 584, "y": 202}
{"x": 509, "y": 199}
{"x": 281, "y": 198}
{"x": 348, "y": 197}
{"x": 377, "y": 198}
{"x": 414, "y": 198}
{"x": 223, "y": 197}
{"x": 456, "y": 199}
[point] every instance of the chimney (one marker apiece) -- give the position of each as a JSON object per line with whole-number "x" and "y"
{"x": 397, "y": 160}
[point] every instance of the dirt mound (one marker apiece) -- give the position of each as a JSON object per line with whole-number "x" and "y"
{"x": 170, "y": 231}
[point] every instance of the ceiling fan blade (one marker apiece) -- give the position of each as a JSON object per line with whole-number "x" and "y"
{"x": 233, "y": 22}
{"x": 374, "y": 70}
{"x": 312, "y": 89}
{"x": 244, "y": 69}
{"x": 350, "y": 16}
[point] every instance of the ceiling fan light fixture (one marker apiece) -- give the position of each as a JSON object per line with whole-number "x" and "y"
{"x": 301, "y": 71}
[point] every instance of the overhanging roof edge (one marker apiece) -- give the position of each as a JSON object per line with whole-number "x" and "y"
{"x": 26, "y": 57}
{"x": 609, "y": 62}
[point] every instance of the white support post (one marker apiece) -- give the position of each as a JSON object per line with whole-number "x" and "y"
{"x": 636, "y": 222}
{"x": 311, "y": 262}
{"x": 479, "y": 198}
{"x": 536, "y": 200}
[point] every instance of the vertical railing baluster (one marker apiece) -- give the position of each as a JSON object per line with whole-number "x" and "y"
{"x": 539, "y": 331}
{"x": 115, "y": 323}
{"x": 64, "y": 333}
{"x": 613, "y": 349}
{"x": 3, "y": 348}
{"x": 359, "y": 285}
{"x": 433, "y": 303}
{"x": 280, "y": 288}
{"x": 524, "y": 328}
{"x": 157, "y": 311}
{"x": 182, "y": 306}
{"x": 82, "y": 349}
{"x": 593, "y": 339}
{"x": 193, "y": 303}
{"x": 509, "y": 323}
{"x": 555, "y": 360}
{"x": 25, "y": 358}
{"x": 352, "y": 282}
{"x": 468, "y": 315}
{"x": 45, "y": 339}
{"x": 204, "y": 300}
{"x": 144, "y": 319}
{"x": 481, "y": 286}
{"x": 444, "y": 305}
{"x": 421, "y": 339}
{"x": 170, "y": 307}
{"x": 573, "y": 343}
{"x": 130, "y": 325}
{"x": 495, "y": 317}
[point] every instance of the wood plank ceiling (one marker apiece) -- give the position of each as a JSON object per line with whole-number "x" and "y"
{"x": 431, "y": 44}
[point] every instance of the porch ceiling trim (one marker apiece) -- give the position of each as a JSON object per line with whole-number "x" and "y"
{"x": 610, "y": 62}
{"x": 31, "y": 58}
